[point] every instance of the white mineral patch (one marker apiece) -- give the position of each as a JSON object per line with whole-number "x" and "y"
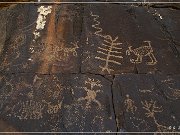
{"x": 41, "y": 20}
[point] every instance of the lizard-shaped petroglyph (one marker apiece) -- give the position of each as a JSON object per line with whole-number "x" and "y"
{"x": 129, "y": 103}
{"x": 141, "y": 52}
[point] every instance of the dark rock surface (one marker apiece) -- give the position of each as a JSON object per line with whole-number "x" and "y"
{"x": 89, "y": 68}
{"x": 66, "y": 103}
{"x": 139, "y": 47}
{"x": 52, "y": 48}
{"x": 146, "y": 103}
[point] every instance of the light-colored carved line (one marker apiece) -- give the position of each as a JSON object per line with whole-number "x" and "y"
{"x": 102, "y": 53}
{"x": 108, "y": 50}
{"x": 116, "y": 48}
{"x": 115, "y": 56}
{"x": 103, "y": 49}
{"x": 105, "y": 45}
{"x": 104, "y": 68}
{"x": 112, "y": 42}
{"x": 109, "y": 44}
{"x": 116, "y": 52}
{"x": 96, "y": 25}
{"x": 112, "y": 61}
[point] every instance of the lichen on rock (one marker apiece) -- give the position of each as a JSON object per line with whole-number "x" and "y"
{"x": 41, "y": 20}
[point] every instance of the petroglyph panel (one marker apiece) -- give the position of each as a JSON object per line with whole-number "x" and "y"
{"x": 141, "y": 104}
{"x": 162, "y": 49}
{"x": 123, "y": 42}
{"x": 57, "y": 102}
{"x": 90, "y": 105}
{"x": 48, "y": 43}
{"x": 105, "y": 48}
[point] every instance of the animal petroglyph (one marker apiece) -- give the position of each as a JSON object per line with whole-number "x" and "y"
{"x": 110, "y": 47}
{"x": 129, "y": 103}
{"x": 29, "y": 110}
{"x": 62, "y": 52}
{"x": 91, "y": 93}
{"x": 52, "y": 109}
{"x": 53, "y": 54}
{"x": 141, "y": 52}
{"x": 152, "y": 108}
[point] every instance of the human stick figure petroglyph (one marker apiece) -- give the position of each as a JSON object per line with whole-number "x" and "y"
{"x": 141, "y": 52}
{"x": 91, "y": 93}
{"x": 129, "y": 103}
{"x": 110, "y": 46}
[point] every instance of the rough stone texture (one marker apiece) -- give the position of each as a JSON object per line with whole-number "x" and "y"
{"x": 140, "y": 104}
{"x": 171, "y": 23}
{"x": 55, "y": 50}
{"x": 139, "y": 47}
{"x": 63, "y": 69}
{"x": 66, "y": 103}
{"x": 170, "y": 89}
{"x": 3, "y": 18}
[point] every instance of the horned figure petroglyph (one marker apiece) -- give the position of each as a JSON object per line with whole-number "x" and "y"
{"x": 141, "y": 52}
{"x": 91, "y": 93}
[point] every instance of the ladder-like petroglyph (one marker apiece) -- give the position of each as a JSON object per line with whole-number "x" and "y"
{"x": 91, "y": 92}
{"x": 141, "y": 52}
{"x": 110, "y": 47}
